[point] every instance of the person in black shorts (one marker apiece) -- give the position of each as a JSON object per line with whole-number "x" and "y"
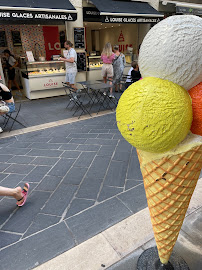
{"x": 11, "y": 63}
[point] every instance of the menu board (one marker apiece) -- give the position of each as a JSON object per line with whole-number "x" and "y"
{"x": 16, "y": 38}
{"x": 3, "y": 42}
{"x": 79, "y": 38}
{"x": 81, "y": 61}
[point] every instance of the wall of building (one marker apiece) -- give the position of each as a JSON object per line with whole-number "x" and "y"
{"x": 124, "y": 35}
{"x": 78, "y": 23}
{"x": 30, "y": 34}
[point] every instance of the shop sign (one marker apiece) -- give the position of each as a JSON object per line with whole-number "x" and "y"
{"x": 52, "y": 42}
{"x": 127, "y": 19}
{"x": 51, "y": 83}
{"x": 56, "y": 46}
{"x": 187, "y": 10}
{"x": 36, "y": 15}
{"x": 121, "y": 37}
{"x": 91, "y": 14}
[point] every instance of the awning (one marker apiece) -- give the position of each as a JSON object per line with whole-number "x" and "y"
{"x": 125, "y": 8}
{"x": 185, "y": 8}
{"x": 37, "y": 11}
{"x": 48, "y": 5}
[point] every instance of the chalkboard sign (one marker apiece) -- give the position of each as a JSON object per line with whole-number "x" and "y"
{"x": 81, "y": 61}
{"x": 16, "y": 38}
{"x": 3, "y": 42}
{"x": 79, "y": 38}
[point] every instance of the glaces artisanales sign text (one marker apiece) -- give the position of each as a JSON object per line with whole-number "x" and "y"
{"x": 38, "y": 15}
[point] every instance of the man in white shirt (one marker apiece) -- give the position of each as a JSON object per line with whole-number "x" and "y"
{"x": 70, "y": 63}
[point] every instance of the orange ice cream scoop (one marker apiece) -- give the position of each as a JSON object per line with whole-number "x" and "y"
{"x": 196, "y": 95}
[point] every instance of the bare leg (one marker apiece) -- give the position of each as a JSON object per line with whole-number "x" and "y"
{"x": 74, "y": 86}
{"x": 105, "y": 79}
{"x": 12, "y": 192}
{"x": 110, "y": 82}
{"x": 16, "y": 84}
{"x": 116, "y": 87}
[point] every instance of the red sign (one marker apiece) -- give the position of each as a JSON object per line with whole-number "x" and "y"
{"x": 52, "y": 42}
{"x": 121, "y": 37}
{"x": 124, "y": 47}
{"x": 50, "y": 83}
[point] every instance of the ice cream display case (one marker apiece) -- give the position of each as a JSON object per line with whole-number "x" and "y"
{"x": 94, "y": 62}
{"x": 43, "y": 79}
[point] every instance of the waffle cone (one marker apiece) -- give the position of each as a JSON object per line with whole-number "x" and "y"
{"x": 169, "y": 184}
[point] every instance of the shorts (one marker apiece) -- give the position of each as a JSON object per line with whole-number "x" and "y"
{"x": 70, "y": 77}
{"x": 117, "y": 77}
{"x": 11, "y": 74}
{"x": 107, "y": 70}
{"x": 11, "y": 106}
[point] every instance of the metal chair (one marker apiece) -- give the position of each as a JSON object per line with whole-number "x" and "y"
{"x": 124, "y": 83}
{"x": 13, "y": 116}
{"x": 75, "y": 98}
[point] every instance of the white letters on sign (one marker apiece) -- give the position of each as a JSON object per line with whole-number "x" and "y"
{"x": 56, "y": 46}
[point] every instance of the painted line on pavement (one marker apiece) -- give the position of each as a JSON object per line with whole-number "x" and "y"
{"x": 50, "y": 125}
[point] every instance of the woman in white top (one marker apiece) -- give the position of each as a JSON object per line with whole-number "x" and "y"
{"x": 11, "y": 63}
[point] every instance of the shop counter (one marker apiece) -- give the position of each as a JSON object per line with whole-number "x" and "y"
{"x": 44, "y": 79}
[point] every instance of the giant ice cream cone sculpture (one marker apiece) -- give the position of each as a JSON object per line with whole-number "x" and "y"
{"x": 169, "y": 184}
{"x": 155, "y": 115}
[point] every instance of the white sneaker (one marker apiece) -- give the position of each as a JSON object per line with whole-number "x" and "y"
{"x": 104, "y": 93}
{"x": 111, "y": 96}
{"x": 1, "y": 130}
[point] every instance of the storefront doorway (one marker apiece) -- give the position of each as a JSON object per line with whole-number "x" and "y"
{"x": 35, "y": 31}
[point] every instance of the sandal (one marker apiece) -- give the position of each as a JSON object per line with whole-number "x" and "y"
{"x": 25, "y": 193}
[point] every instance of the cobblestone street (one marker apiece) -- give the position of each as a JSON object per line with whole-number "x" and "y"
{"x": 84, "y": 178}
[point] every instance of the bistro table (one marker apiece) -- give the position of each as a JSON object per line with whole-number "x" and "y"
{"x": 98, "y": 92}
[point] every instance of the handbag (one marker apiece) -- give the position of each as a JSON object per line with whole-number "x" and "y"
{"x": 3, "y": 107}
{"x": 116, "y": 59}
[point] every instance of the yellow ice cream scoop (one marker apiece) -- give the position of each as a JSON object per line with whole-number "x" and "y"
{"x": 154, "y": 114}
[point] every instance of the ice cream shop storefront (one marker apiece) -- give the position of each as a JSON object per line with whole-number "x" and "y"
{"x": 124, "y": 23}
{"x": 35, "y": 32}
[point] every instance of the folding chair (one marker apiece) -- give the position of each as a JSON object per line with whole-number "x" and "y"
{"x": 13, "y": 116}
{"x": 124, "y": 79}
{"x": 75, "y": 99}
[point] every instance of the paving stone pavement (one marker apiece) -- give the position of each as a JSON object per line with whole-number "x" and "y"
{"x": 84, "y": 177}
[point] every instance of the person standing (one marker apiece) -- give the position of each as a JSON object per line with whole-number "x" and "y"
{"x": 118, "y": 65}
{"x": 107, "y": 57}
{"x": 70, "y": 60}
{"x": 11, "y": 64}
